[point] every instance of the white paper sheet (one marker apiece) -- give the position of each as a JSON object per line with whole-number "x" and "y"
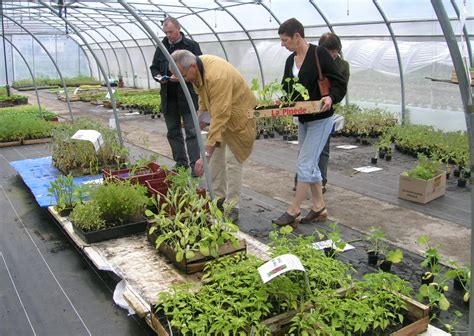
{"x": 367, "y": 169}
{"x": 321, "y": 245}
{"x": 347, "y": 146}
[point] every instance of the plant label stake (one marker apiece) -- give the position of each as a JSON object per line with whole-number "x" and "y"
{"x": 90, "y": 135}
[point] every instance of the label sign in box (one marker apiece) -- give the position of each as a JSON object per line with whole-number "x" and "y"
{"x": 304, "y": 107}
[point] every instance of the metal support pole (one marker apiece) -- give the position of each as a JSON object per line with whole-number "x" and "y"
{"x": 102, "y": 70}
{"x": 183, "y": 85}
{"x": 466, "y": 95}
{"x": 30, "y": 71}
{"x": 50, "y": 57}
{"x": 7, "y": 86}
{"x": 399, "y": 58}
{"x": 466, "y": 34}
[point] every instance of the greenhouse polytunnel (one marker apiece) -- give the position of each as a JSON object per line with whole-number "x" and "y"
{"x": 241, "y": 167}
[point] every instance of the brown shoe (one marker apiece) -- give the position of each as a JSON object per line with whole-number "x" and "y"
{"x": 286, "y": 219}
{"x": 315, "y": 216}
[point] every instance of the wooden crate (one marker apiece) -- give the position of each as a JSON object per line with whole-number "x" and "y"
{"x": 417, "y": 312}
{"x": 454, "y": 77}
{"x": 303, "y": 107}
{"x": 195, "y": 264}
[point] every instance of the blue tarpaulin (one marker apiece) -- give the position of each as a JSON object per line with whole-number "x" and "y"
{"x": 38, "y": 174}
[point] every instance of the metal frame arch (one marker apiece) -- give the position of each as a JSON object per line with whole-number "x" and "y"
{"x": 250, "y": 39}
{"x": 320, "y": 12}
{"x": 107, "y": 82}
{"x": 29, "y": 70}
{"x": 89, "y": 63}
{"x": 50, "y": 57}
{"x": 101, "y": 49}
{"x": 466, "y": 95}
{"x": 96, "y": 31}
{"x": 210, "y": 28}
{"x": 138, "y": 46}
{"x": 183, "y": 85}
{"x": 397, "y": 51}
{"x": 167, "y": 14}
{"x": 78, "y": 44}
{"x": 270, "y": 11}
{"x": 466, "y": 33}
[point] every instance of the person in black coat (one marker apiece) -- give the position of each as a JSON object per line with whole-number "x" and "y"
{"x": 173, "y": 101}
{"x": 313, "y": 129}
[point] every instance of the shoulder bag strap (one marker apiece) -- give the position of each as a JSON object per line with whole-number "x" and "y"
{"x": 317, "y": 63}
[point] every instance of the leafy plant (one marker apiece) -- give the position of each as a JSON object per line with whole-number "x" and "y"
{"x": 80, "y": 157}
{"x": 268, "y": 94}
{"x": 375, "y": 236}
{"x": 369, "y": 306}
{"x": 120, "y": 202}
{"x": 432, "y": 257}
{"x": 66, "y": 193}
{"x": 295, "y": 91}
{"x": 87, "y": 217}
{"x": 189, "y": 223}
{"x": 425, "y": 168}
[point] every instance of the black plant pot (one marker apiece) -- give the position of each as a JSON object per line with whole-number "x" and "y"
{"x": 462, "y": 182}
{"x": 372, "y": 258}
{"x": 434, "y": 312}
{"x": 456, "y": 172}
{"x": 466, "y": 174}
{"x": 388, "y": 157}
{"x": 358, "y": 140}
{"x": 382, "y": 154}
{"x": 385, "y": 265}
{"x": 364, "y": 141}
{"x": 271, "y": 135}
{"x": 459, "y": 284}
{"x": 373, "y": 160}
{"x": 329, "y": 252}
{"x": 265, "y": 136}
{"x": 285, "y": 137}
{"x": 427, "y": 278}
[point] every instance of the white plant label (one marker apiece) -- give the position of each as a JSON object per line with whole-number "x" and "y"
{"x": 91, "y": 136}
{"x": 278, "y": 266}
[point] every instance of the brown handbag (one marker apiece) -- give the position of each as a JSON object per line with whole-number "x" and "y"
{"x": 323, "y": 82}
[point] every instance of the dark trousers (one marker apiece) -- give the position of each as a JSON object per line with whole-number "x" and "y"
{"x": 175, "y": 112}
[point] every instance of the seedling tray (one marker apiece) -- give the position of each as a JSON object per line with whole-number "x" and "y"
{"x": 112, "y": 232}
{"x": 195, "y": 264}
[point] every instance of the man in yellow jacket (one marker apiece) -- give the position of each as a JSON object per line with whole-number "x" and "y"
{"x": 224, "y": 93}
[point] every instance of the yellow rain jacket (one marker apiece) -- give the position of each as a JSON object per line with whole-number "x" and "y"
{"x": 225, "y": 94}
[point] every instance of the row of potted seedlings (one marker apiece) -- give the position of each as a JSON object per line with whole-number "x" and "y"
{"x": 325, "y": 300}
{"x": 25, "y": 125}
{"x": 181, "y": 222}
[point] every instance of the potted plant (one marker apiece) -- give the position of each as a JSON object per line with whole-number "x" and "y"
{"x": 389, "y": 258}
{"x": 461, "y": 277}
{"x": 424, "y": 182}
{"x": 375, "y": 237}
{"x": 195, "y": 231}
{"x": 120, "y": 207}
{"x": 67, "y": 194}
{"x": 431, "y": 261}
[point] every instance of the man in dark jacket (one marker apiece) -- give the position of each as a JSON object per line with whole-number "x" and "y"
{"x": 173, "y": 101}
